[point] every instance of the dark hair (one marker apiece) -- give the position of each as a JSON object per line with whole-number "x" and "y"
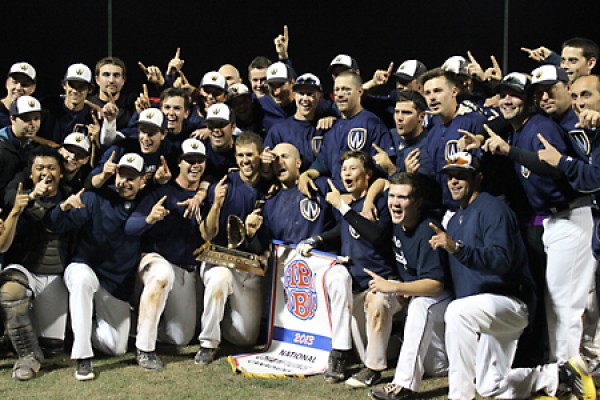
{"x": 44, "y": 151}
{"x": 176, "y": 92}
{"x": 249, "y": 137}
{"x": 588, "y": 47}
{"x": 414, "y": 180}
{"x": 259, "y": 62}
{"x": 111, "y": 61}
{"x": 415, "y": 97}
{"x": 365, "y": 158}
{"x": 451, "y": 77}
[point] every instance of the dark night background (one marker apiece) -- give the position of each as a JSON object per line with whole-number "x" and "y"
{"x": 53, "y": 34}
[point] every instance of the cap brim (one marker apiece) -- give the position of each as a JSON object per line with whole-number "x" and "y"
{"x": 455, "y": 167}
{"x": 299, "y": 86}
{"x": 130, "y": 168}
{"x": 514, "y": 88}
{"x": 547, "y": 82}
{"x": 277, "y": 80}
{"x": 403, "y": 77}
{"x": 22, "y": 74}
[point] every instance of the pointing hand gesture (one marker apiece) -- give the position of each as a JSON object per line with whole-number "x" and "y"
{"x": 176, "y": 63}
{"x": 441, "y": 240}
{"x": 383, "y": 160}
{"x": 73, "y": 201}
{"x": 495, "y": 144}
{"x": 333, "y": 197}
{"x": 282, "y": 43}
{"x": 158, "y": 212}
{"x": 21, "y": 201}
{"x": 548, "y": 154}
{"x": 162, "y": 174}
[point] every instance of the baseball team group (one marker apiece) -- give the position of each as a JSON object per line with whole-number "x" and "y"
{"x": 460, "y": 200}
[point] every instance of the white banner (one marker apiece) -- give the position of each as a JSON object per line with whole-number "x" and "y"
{"x": 300, "y": 323}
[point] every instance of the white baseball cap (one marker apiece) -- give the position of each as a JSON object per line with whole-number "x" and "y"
{"x": 214, "y": 79}
{"x": 193, "y": 146}
{"x": 278, "y": 73}
{"x": 24, "y": 105}
{"x": 343, "y": 60}
{"x": 238, "y": 89}
{"x": 548, "y": 75}
{"x": 78, "y": 139}
{"x": 308, "y": 81}
{"x": 219, "y": 112}
{"x": 133, "y": 161}
{"x": 79, "y": 72}
{"x": 23, "y": 68}
{"x": 152, "y": 116}
{"x": 456, "y": 64}
{"x": 410, "y": 70}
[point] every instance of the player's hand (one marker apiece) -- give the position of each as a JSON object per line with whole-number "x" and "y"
{"x": 40, "y": 190}
{"x": 267, "y": 157}
{"x": 73, "y": 201}
{"x": 21, "y": 202}
{"x": 381, "y": 76}
{"x": 220, "y": 192}
{"x": 253, "y": 223}
{"x": 175, "y": 64}
{"x": 143, "y": 100}
{"x": 306, "y": 245}
{"x": 306, "y": 185}
{"x": 333, "y": 197}
{"x": 201, "y": 134}
{"x": 192, "y": 205}
{"x": 163, "y": 173}
{"x": 153, "y": 74}
{"x": 495, "y": 144}
{"x": 588, "y": 119}
{"x": 379, "y": 284}
{"x": 282, "y": 43}
{"x": 469, "y": 141}
{"x": 474, "y": 68}
{"x": 494, "y": 73}
{"x": 539, "y": 54}
{"x": 441, "y": 240}
{"x": 93, "y": 130}
{"x": 548, "y": 154}
{"x": 182, "y": 82}
{"x": 325, "y": 123}
{"x": 158, "y": 212}
{"x": 110, "y": 167}
{"x": 411, "y": 162}
{"x": 110, "y": 109}
{"x": 383, "y": 160}
{"x": 369, "y": 211}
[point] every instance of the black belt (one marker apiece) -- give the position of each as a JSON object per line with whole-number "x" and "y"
{"x": 583, "y": 201}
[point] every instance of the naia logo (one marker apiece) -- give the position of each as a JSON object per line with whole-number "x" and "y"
{"x": 300, "y": 290}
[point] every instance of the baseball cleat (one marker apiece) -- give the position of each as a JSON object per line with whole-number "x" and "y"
{"x": 336, "y": 367}
{"x": 205, "y": 356}
{"x": 574, "y": 376}
{"x": 364, "y": 378}
{"x": 84, "y": 370}
{"x": 391, "y": 391}
{"x": 148, "y": 360}
{"x": 26, "y": 368}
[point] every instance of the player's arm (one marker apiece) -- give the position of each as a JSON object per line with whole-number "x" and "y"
{"x": 369, "y": 210}
{"x": 210, "y": 225}
{"x": 10, "y": 225}
{"x": 421, "y": 287}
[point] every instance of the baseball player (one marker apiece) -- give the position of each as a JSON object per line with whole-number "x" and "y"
{"x": 564, "y": 214}
{"x": 15, "y": 139}
{"x": 300, "y": 129}
{"x": 279, "y": 104}
{"x": 366, "y": 245}
{"x": 167, "y": 268}
{"x": 101, "y": 273}
{"x": 212, "y": 90}
{"x": 257, "y": 76}
{"x": 235, "y": 194}
{"x": 21, "y": 81}
{"x": 247, "y": 110}
{"x": 358, "y": 130}
{"x": 220, "y": 150}
{"x": 494, "y": 296}
{"x": 33, "y": 297}
{"x": 75, "y": 151}
{"x": 425, "y": 280}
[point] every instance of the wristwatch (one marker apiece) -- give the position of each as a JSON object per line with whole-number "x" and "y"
{"x": 458, "y": 245}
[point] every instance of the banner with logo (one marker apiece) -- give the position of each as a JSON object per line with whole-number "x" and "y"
{"x": 299, "y": 340}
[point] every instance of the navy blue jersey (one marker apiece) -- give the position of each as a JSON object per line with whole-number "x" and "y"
{"x": 195, "y": 120}
{"x": 126, "y": 104}
{"x": 356, "y": 133}
{"x": 291, "y": 217}
{"x": 493, "y": 259}
{"x": 583, "y": 174}
{"x": 403, "y": 147}
{"x": 175, "y": 237}
{"x": 61, "y": 120}
{"x": 378, "y": 257}
{"x": 218, "y": 163}
{"x": 415, "y": 259}
{"x": 302, "y": 134}
{"x": 542, "y": 192}
{"x": 4, "y": 116}
{"x": 442, "y": 141}
{"x": 103, "y": 243}
{"x": 240, "y": 200}
{"x": 384, "y": 106}
{"x": 273, "y": 112}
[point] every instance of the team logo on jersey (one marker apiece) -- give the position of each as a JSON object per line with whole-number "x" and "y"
{"x": 525, "y": 172}
{"x": 353, "y": 232}
{"x": 357, "y": 138}
{"x": 316, "y": 143}
{"x": 310, "y": 209}
{"x": 581, "y": 140}
{"x": 299, "y": 286}
{"x": 451, "y": 149}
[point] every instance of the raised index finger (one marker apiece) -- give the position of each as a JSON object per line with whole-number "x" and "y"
{"x": 390, "y": 68}
{"x": 20, "y": 189}
{"x": 495, "y": 63}
{"x": 435, "y": 228}
{"x": 145, "y": 88}
{"x": 285, "y": 32}
{"x": 80, "y": 192}
{"x": 526, "y": 50}
{"x": 143, "y": 67}
{"x": 379, "y": 149}
{"x": 177, "y": 52}
{"x": 112, "y": 157}
{"x": 371, "y": 273}
{"x": 544, "y": 141}
{"x": 332, "y": 186}
{"x": 489, "y": 130}
{"x": 471, "y": 58}
{"x": 161, "y": 201}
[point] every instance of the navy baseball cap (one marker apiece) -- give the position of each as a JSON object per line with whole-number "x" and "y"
{"x": 548, "y": 75}
{"x": 515, "y": 81}
{"x": 410, "y": 70}
{"x": 462, "y": 161}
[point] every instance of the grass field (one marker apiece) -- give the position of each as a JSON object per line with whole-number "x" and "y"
{"x": 122, "y": 378}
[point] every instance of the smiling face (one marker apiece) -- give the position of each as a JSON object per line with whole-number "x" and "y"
{"x": 355, "y": 177}
{"x": 221, "y": 134}
{"x": 174, "y": 110}
{"x": 287, "y": 164}
{"x": 441, "y": 97}
{"x": 258, "y": 81}
{"x": 128, "y": 183}
{"x": 149, "y": 138}
{"x": 26, "y": 125}
{"x": 281, "y": 93}
{"x": 576, "y": 65}
{"x": 307, "y": 101}
{"x": 403, "y": 206}
{"x": 46, "y": 169}
{"x": 18, "y": 85}
{"x": 74, "y": 158}
{"x": 347, "y": 95}
{"x": 247, "y": 158}
{"x": 511, "y": 105}
{"x": 554, "y": 100}
{"x": 191, "y": 169}
{"x": 75, "y": 94}
{"x": 463, "y": 185}
{"x": 585, "y": 93}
